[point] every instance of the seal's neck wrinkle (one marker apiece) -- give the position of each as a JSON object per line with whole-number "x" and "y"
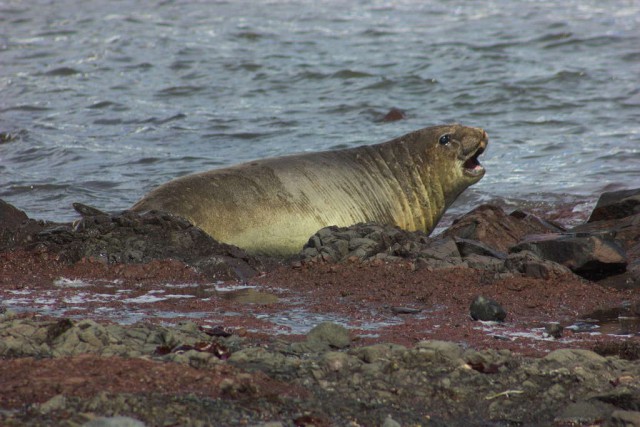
{"x": 379, "y": 167}
{"x": 435, "y": 191}
{"x": 414, "y": 197}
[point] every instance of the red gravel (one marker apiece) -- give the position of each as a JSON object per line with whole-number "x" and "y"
{"x": 366, "y": 297}
{"x": 28, "y": 380}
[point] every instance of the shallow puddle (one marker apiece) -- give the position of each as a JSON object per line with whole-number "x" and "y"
{"x": 242, "y": 305}
{"x": 614, "y": 321}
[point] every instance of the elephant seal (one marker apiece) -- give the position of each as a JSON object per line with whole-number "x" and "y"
{"x": 273, "y": 206}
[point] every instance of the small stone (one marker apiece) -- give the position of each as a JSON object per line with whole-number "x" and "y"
{"x": 377, "y": 352}
{"x": 114, "y": 422}
{"x": 390, "y": 422}
{"x": 441, "y": 351}
{"x": 554, "y": 329}
{"x": 56, "y": 403}
{"x": 393, "y": 115}
{"x": 331, "y": 334}
{"x": 487, "y": 309}
{"x": 325, "y": 336}
{"x": 334, "y": 361}
{"x": 405, "y": 310}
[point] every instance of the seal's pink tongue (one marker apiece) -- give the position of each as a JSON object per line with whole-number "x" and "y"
{"x": 472, "y": 164}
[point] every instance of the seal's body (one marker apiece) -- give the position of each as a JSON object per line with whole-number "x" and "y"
{"x": 273, "y": 206}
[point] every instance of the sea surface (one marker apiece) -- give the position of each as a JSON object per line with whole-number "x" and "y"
{"x": 101, "y": 101}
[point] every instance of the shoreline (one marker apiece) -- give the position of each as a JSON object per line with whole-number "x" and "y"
{"x": 109, "y": 324}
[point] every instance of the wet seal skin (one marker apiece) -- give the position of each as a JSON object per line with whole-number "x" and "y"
{"x": 273, "y": 206}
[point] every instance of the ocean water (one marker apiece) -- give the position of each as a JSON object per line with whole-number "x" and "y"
{"x": 102, "y": 101}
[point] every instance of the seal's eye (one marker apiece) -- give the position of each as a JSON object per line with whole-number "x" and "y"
{"x": 444, "y": 139}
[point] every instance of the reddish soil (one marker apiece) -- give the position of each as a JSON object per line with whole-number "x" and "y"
{"x": 28, "y": 380}
{"x": 369, "y": 298}
{"x": 368, "y": 292}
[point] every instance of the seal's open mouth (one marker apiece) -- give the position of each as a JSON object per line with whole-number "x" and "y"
{"x": 472, "y": 166}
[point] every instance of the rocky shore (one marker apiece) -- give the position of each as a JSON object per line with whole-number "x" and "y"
{"x": 505, "y": 318}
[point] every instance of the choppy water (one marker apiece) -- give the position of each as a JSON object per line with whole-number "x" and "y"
{"x": 102, "y": 101}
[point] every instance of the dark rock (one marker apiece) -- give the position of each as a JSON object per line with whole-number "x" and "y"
{"x": 486, "y": 263}
{"x": 127, "y": 237}
{"x": 583, "y": 413}
{"x": 443, "y": 249}
{"x": 468, "y": 247}
{"x": 16, "y": 229}
{"x": 591, "y": 257}
{"x": 630, "y": 279}
{"x": 616, "y": 205}
{"x": 530, "y": 265}
{"x": 628, "y": 400}
{"x": 370, "y": 241}
{"x": 363, "y": 242}
{"x": 537, "y": 221}
{"x": 394, "y": 115}
{"x": 86, "y": 210}
{"x": 487, "y": 309}
{"x": 492, "y": 226}
{"x": 634, "y": 308}
{"x": 405, "y": 310}
{"x": 10, "y": 216}
{"x": 554, "y": 329}
{"x": 325, "y": 336}
{"x": 6, "y": 137}
{"x": 626, "y": 232}
{"x": 628, "y": 350}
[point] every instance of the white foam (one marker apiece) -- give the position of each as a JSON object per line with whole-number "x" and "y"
{"x": 221, "y": 288}
{"x": 20, "y": 292}
{"x": 63, "y": 282}
{"x": 144, "y": 299}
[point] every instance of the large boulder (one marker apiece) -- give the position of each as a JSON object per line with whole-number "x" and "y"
{"x": 589, "y": 256}
{"x": 617, "y": 217}
{"x": 126, "y": 238}
{"x": 616, "y": 205}
{"x": 492, "y": 226}
{"x": 16, "y": 229}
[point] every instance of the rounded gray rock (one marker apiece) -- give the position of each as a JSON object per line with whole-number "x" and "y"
{"x": 487, "y": 309}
